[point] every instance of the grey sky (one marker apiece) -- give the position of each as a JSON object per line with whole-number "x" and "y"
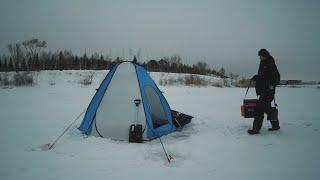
{"x": 221, "y": 32}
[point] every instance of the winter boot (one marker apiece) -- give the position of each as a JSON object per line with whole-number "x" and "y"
{"x": 275, "y": 125}
{"x": 257, "y": 123}
{"x": 252, "y": 131}
{"x": 274, "y": 128}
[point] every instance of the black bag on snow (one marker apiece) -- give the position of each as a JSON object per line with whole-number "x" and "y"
{"x": 135, "y": 133}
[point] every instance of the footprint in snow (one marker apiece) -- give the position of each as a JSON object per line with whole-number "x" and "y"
{"x": 288, "y": 124}
{"x": 308, "y": 124}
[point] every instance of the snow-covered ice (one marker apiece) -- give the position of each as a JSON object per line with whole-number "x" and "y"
{"x": 214, "y": 146}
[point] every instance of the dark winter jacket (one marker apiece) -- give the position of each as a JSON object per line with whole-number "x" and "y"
{"x": 267, "y": 77}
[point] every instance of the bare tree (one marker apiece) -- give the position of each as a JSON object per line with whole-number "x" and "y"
{"x": 45, "y": 58}
{"x": 175, "y": 59}
{"x": 222, "y": 72}
{"x": 33, "y": 46}
{"x": 5, "y": 65}
{"x": 10, "y": 65}
{"x": 175, "y": 62}
{"x": 16, "y": 53}
{"x": 164, "y": 64}
{"x": 234, "y": 76}
{"x": 84, "y": 61}
{"x": 139, "y": 54}
{"x": 202, "y": 67}
{"x": 135, "y": 60}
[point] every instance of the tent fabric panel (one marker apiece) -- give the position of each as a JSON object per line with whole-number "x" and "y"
{"x": 117, "y": 110}
{"x": 145, "y": 80}
{"x": 86, "y": 125}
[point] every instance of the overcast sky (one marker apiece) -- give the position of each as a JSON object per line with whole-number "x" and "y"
{"x": 224, "y": 33}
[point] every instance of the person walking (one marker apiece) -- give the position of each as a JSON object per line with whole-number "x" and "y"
{"x": 265, "y": 84}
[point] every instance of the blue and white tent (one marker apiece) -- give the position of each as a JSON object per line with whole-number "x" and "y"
{"x": 112, "y": 109}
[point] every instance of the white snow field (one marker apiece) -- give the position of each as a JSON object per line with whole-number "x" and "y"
{"x": 214, "y": 146}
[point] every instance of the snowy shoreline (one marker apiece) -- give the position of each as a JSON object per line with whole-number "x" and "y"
{"x": 78, "y": 78}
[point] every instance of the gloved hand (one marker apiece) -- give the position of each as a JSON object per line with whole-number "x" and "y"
{"x": 271, "y": 87}
{"x": 255, "y": 77}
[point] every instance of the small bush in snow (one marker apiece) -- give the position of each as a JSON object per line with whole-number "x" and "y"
{"x": 217, "y": 84}
{"x": 243, "y": 83}
{"x": 17, "y": 79}
{"x": 169, "y": 82}
{"x": 195, "y": 80}
{"x": 87, "y": 79}
{"x": 226, "y": 83}
{"x": 189, "y": 80}
{"x": 162, "y": 82}
{"x": 172, "y": 82}
{"x": 23, "y": 79}
{"x": 5, "y": 80}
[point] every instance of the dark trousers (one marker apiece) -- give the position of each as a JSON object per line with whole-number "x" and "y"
{"x": 263, "y": 106}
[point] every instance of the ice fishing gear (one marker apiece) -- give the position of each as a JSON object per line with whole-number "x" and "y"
{"x": 135, "y": 133}
{"x": 248, "y": 108}
{"x": 137, "y": 102}
{"x": 180, "y": 119}
{"x": 272, "y": 114}
{"x": 136, "y": 130}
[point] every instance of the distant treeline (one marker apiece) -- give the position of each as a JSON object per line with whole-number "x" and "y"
{"x": 33, "y": 58}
